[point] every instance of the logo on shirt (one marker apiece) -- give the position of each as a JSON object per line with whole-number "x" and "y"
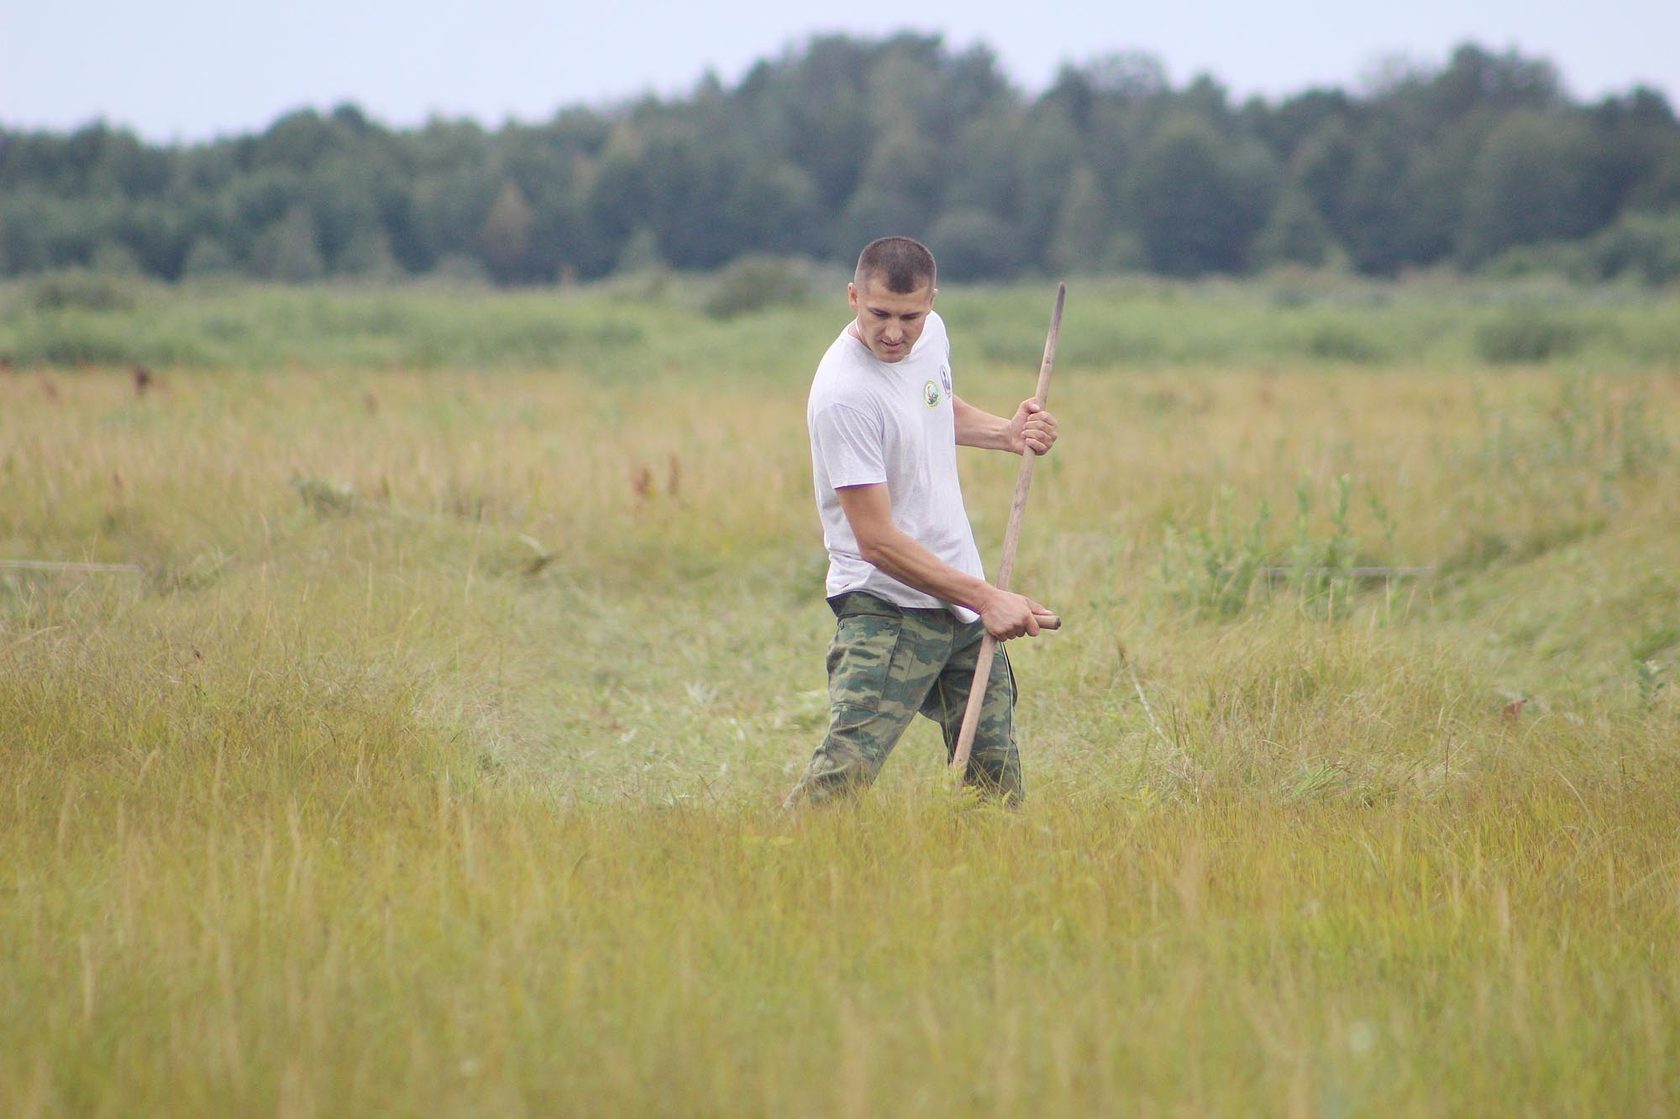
{"x": 930, "y": 394}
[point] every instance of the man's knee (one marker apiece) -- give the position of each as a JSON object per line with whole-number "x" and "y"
{"x": 842, "y": 765}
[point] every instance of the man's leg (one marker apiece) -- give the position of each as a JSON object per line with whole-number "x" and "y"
{"x": 881, "y": 665}
{"x": 994, "y": 764}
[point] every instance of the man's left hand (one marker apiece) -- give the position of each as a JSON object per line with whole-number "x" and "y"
{"x": 1032, "y": 429}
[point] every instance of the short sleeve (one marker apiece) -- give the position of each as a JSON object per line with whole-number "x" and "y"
{"x": 848, "y": 443}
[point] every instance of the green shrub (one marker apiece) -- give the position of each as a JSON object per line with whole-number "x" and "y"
{"x": 754, "y": 283}
{"x": 1334, "y": 341}
{"x": 1527, "y": 334}
{"x": 74, "y": 339}
{"x": 82, "y": 291}
{"x": 1644, "y": 247}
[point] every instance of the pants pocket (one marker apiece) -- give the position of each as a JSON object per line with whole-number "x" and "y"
{"x": 860, "y": 660}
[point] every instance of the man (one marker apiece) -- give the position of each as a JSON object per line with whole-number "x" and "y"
{"x": 904, "y": 576}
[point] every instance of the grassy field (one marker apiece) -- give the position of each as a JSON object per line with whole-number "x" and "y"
{"x": 428, "y": 763}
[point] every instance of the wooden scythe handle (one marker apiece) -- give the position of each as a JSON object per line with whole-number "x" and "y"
{"x": 1011, "y": 539}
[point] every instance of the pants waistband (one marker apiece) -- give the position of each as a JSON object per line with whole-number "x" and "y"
{"x": 853, "y": 603}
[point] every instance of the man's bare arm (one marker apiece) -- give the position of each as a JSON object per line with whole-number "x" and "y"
{"x": 868, "y": 510}
{"x": 1031, "y": 428}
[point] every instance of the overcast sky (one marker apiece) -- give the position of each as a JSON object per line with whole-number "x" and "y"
{"x": 194, "y": 69}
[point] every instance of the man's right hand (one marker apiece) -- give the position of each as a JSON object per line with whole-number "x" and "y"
{"x": 1007, "y": 614}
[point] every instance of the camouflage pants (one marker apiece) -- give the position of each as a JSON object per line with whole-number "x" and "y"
{"x": 885, "y": 665}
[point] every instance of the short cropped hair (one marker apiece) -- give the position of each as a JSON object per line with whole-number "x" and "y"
{"x": 903, "y": 264}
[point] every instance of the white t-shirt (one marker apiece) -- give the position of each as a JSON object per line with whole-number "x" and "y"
{"x": 873, "y": 421}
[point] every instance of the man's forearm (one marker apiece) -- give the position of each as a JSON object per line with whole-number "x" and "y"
{"x": 977, "y": 428}
{"x": 899, "y": 555}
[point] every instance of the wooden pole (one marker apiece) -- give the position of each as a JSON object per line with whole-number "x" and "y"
{"x": 1011, "y": 539}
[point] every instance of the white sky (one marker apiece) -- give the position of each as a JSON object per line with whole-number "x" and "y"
{"x": 189, "y": 70}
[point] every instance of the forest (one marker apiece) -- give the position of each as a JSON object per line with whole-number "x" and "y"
{"x": 1484, "y": 164}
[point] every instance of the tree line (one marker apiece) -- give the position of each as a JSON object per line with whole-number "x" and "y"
{"x": 1479, "y": 163}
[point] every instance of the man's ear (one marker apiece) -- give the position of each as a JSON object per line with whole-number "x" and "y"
{"x": 852, "y": 296}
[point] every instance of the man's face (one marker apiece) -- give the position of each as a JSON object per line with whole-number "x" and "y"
{"x": 889, "y": 322}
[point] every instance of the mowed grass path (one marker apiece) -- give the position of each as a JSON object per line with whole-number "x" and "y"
{"x": 430, "y": 767}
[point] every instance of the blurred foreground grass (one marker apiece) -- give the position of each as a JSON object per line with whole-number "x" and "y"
{"x": 429, "y": 767}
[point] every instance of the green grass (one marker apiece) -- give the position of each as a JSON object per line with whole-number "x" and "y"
{"x": 655, "y": 325}
{"x": 430, "y": 766}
